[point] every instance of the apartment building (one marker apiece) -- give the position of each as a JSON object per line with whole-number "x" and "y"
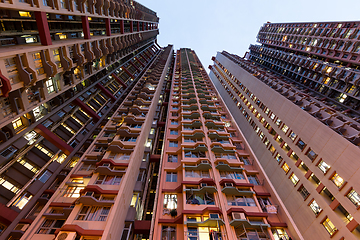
{"x": 66, "y": 67}
{"x": 211, "y": 185}
{"x": 296, "y": 99}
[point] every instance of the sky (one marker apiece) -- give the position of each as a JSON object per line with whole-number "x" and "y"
{"x": 211, "y": 26}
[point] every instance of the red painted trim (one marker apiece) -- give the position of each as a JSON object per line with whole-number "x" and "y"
{"x": 277, "y": 224}
{"x": 131, "y": 26}
{"x": 138, "y": 26}
{"x": 7, "y": 215}
{"x": 119, "y": 80}
{"x": 43, "y": 28}
{"x": 140, "y": 62}
{"x": 122, "y": 27}
{"x": 128, "y": 72}
{"x": 147, "y": 55}
{"x": 86, "y": 27}
{"x": 205, "y": 210}
{"x": 79, "y": 230}
{"x": 112, "y": 163}
{"x": 105, "y": 91}
{"x": 154, "y": 157}
{"x": 60, "y": 204}
{"x": 250, "y": 214}
{"x": 6, "y": 85}
{"x": 177, "y": 220}
{"x": 97, "y": 189}
{"x": 108, "y": 26}
{"x": 178, "y": 189}
{"x": 51, "y": 137}
{"x": 142, "y": 227}
{"x": 133, "y": 64}
{"x": 87, "y": 109}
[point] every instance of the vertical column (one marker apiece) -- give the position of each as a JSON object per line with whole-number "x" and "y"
{"x": 138, "y": 26}
{"x": 143, "y": 26}
{"x": 86, "y": 27}
{"x": 122, "y": 26}
{"x": 131, "y": 26}
{"x": 108, "y": 26}
{"x": 43, "y": 28}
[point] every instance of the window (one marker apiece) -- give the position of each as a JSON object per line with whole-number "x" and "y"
{"x": 354, "y": 197}
{"x": 173, "y": 122}
{"x": 304, "y": 192}
{"x": 190, "y": 154}
{"x": 278, "y": 158}
{"x": 170, "y": 201}
{"x": 292, "y": 136}
{"x": 231, "y": 175}
{"x": 125, "y": 156}
{"x": 311, "y": 154}
{"x": 171, "y": 177}
{"x": 254, "y": 180}
{"x": 50, "y": 85}
{"x": 286, "y": 168}
{"x": 285, "y": 128}
{"x": 95, "y": 213}
{"x": 21, "y": 202}
{"x": 329, "y": 226}
{"x": 193, "y": 234}
{"x": 173, "y": 132}
{"x": 50, "y": 226}
{"x": 337, "y": 180}
{"x": 301, "y": 144}
{"x": 294, "y": 179}
{"x": 173, "y": 144}
{"x": 17, "y": 123}
{"x": 174, "y": 114}
{"x": 8, "y": 185}
{"x": 38, "y": 63}
{"x": 45, "y": 176}
{"x": 197, "y": 174}
{"x": 324, "y": 167}
{"x": 168, "y": 233}
{"x": 172, "y": 158}
{"x": 280, "y": 234}
{"x": 315, "y": 207}
{"x": 108, "y": 180}
{"x": 240, "y": 201}
{"x": 87, "y": 167}
{"x": 246, "y": 161}
{"x": 73, "y": 192}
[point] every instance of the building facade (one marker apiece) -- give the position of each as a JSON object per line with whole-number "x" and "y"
{"x": 211, "y": 185}
{"x": 67, "y": 69}
{"x": 296, "y": 98}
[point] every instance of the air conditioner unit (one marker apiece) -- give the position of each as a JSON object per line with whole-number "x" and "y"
{"x": 238, "y": 215}
{"x": 221, "y": 163}
{"x": 205, "y": 161}
{"x": 229, "y": 184}
{"x": 89, "y": 194}
{"x": 214, "y": 216}
{"x": 106, "y": 164}
{"x": 66, "y": 236}
{"x": 203, "y": 184}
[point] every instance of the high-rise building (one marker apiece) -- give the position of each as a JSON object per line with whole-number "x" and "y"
{"x": 296, "y": 100}
{"x": 211, "y": 185}
{"x": 66, "y": 70}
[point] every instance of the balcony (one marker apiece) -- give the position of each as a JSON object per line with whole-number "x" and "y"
{"x": 202, "y": 166}
{"x": 213, "y": 222}
{"x": 90, "y": 198}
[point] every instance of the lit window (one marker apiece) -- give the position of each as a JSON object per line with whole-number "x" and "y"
{"x": 171, "y": 177}
{"x": 329, "y": 226}
{"x": 354, "y": 197}
{"x": 285, "y": 167}
{"x": 24, "y": 14}
{"x": 294, "y": 179}
{"x": 17, "y": 123}
{"x": 8, "y": 185}
{"x": 292, "y": 136}
{"x": 315, "y": 207}
{"x": 285, "y": 128}
{"x": 280, "y": 234}
{"x": 324, "y": 167}
{"x": 170, "y": 201}
{"x": 22, "y": 201}
{"x": 278, "y": 158}
{"x": 337, "y": 180}
{"x": 73, "y": 192}
{"x": 50, "y": 85}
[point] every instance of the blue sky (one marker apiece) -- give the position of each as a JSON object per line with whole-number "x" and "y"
{"x": 209, "y": 26}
